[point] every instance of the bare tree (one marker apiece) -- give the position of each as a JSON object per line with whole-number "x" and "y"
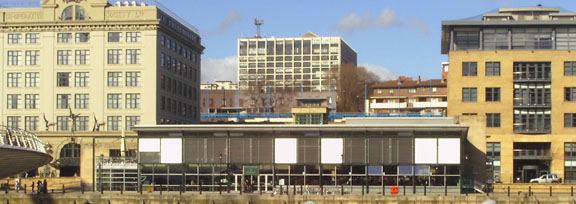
{"x": 351, "y": 87}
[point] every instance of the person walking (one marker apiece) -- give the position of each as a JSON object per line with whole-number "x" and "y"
{"x": 45, "y": 185}
{"x": 39, "y": 187}
{"x": 32, "y": 187}
{"x": 18, "y": 185}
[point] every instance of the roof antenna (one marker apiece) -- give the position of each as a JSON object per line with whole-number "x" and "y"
{"x": 258, "y": 22}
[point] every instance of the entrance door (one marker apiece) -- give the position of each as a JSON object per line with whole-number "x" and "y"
{"x": 264, "y": 182}
{"x": 529, "y": 172}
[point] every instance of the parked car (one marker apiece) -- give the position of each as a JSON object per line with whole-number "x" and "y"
{"x": 547, "y": 178}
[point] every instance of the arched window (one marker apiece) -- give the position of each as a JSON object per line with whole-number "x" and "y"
{"x": 70, "y": 150}
{"x": 74, "y": 13}
{"x": 67, "y": 14}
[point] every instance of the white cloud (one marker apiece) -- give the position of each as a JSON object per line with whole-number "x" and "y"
{"x": 231, "y": 19}
{"x": 224, "y": 69}
{"x": 386, "y": 18}
{"x": 383, "y": 72}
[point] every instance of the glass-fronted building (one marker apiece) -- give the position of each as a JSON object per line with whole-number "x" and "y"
{"x": 327, "y": 157}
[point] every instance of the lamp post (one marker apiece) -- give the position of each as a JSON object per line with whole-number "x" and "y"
{"x": 399, "y": 83}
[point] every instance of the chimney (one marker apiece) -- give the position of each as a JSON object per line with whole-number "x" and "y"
{"x": 419, "y": 79}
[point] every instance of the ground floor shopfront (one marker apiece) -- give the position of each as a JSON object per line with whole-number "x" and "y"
{"x": 267, "y": 157}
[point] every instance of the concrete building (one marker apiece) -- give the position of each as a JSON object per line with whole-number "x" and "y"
{"x": 421, "y": 153}
{"x": 406, "y": 95}
{"x": 73, "y": 68}
{"x": 515, "y": 70}
{"x": 309, "y": 61}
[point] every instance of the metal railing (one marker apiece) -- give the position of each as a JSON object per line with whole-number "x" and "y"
{"x": 20, "y": 138}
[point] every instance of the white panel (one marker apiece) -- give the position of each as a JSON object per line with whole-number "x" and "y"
{"x": 171, "y": 151}
{"x": 285, "y": 151}
{"x": 149, "y": 145}
{"x": 332, "y": 151}
{"x": 449, "y": 151}
{"x": 426, "y": 151}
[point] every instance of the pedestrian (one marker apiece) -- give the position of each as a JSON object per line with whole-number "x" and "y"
{"x": 45, "y": 185}
{"x": 7, "y": 186}
{"x": 39, "y": 187}
{"x": 32, "y": 187}
{"x": 18, "y": 185}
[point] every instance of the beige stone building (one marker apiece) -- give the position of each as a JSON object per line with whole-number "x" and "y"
{"x": 515, "y": 70}
{"x": 76, "y": 72}
{"x": 310, "y": 61}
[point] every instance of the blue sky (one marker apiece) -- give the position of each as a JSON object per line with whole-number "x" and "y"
{"x": 392, "y": 37}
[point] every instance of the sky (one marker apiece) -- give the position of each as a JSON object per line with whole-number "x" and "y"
{"x": 392, "y": 37}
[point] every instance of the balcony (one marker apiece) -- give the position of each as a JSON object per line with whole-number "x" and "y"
{"x": 532, "y": 131}
{"x": 430, "y": 104}
{"x": 532, "y": 154}
{"x": 388, "y": 105}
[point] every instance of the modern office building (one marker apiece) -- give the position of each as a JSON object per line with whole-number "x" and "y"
{"x": 309, "y": 61}
{"x": 79, "y": 71}
{"x": 415, "y": 152}
{"x": 406, "y": 95}
{"x": 516, "y": 69}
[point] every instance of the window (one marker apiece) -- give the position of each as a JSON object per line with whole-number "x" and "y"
{"x": 469, "y": 94}
{"x": 64, "y": 37}
{"x": 379, "y": 91}
{"x": 570, "y": 93}
{"x": 32, "y": 101}
{"x": 82, "y": 37}
{"x": 13, "y": 122}
{"x": 114, "y": 36}
{"x": 131, "y": 121}
{"x": 82, "y": 79}
{"x": 32, "y": 38}
{"x": 82, "y": 56}
{"x": 434, "y": 89}
{"x": 114, "y": 56}
{"x": 309, "y": 119}
{"x": 532, "y": 121}
{"x": 31, "y": 123}
{"x": 566, "y": 39}
{"x": 492, "y": 68}
{"x": 13, "y": 101}
{"x": 493, "y": 158}
{"x": 14, "y": 57}
{"x": 32, "y": 57}
{"x": 63, "y": 79}
{"x": 114, "y": 101}
{"x": 492, "y": 94}
{"x": 412, "y": 90}
{"x": 133, "y": 36}
{"x": 466, "y": 40}
{"x": 82, "y": 123}
{"x": 63, "y": 101}
{"x": 114, "y": 79}
{"x": 14, "y": 38}
{"x": 495, "y": 38}
{"x": 132, "y": 100}
{"x": 63, "y": 123}
{"x": 14, "y": 79}
{"x": 531, "y": 38}
{"x": 64, "y": 57}
{"x": 492, "y": 119}
{"x": 532, "y": 94}
{"x": 82, "y": 101}
{"x": 73, "y": 13}
{"x": 532, "y": 70}
{"x": 569, "y": 68}
{"x": 114, "y": 123}
{"x": 32, "y": 79}
{"x": 132, "y": 78}
{"x": 570, "y": 120}
{"x": 469, "y": 69}
{"x": 133, "y": 56}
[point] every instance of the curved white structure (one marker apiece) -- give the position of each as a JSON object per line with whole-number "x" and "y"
{"x": 20, "y": 151}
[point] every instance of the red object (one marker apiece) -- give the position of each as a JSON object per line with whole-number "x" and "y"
{"x": 394, "y": 190}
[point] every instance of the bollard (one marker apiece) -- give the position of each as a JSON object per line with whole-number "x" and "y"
{"x": 121, "y": 190}
{"x": 228, "y": 187}
{"x": 63, "y": 189}
{"x": 260, "y": 189}
{"x": 362, "y": 188}
{"x": 24, "y": 188}
{"x": 141, "y": 193}
{"x": 445, "y": 190}
{"x": 571, "y": 191}
{"x": 294, "y": 189}
{"x": 341, "y": 189}
{"x": 508, "y": 191}
{"x": 487, "y": 192}
{"x": 220, "y": 188}
{"x": 82, "y": 188}
{"x": 529, "y": 190}
{"x": 322, "y": 190}
{"x": 383, "y": 187}
{"x": 160, "y": 189}
{"x": 200, "y": 189}
{"x": 424, "y": 190}
{"x": 281, "y": 191}
{"x": 550, "y": 191}
{"x": 301, "y": 190}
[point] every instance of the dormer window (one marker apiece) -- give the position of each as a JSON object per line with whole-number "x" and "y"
{"x": 74, "y": 13}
